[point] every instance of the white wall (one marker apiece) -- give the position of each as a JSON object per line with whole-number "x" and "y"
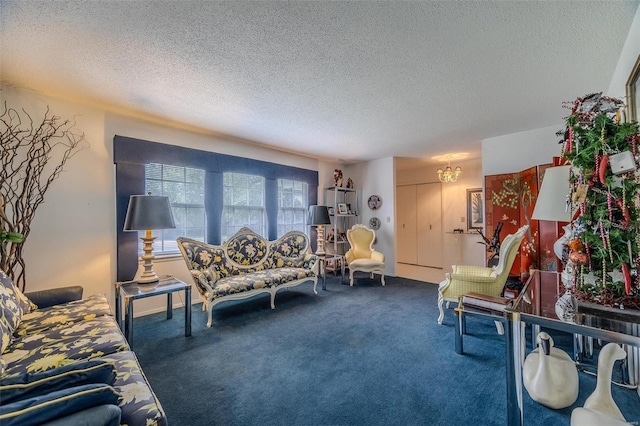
{"x": 73, "y": 239}
{"x": 377, "y": 177}
{"x": 628, "y": 58}
{"x": 519, "y": 151}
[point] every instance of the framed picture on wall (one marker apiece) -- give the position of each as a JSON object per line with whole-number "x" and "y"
{"x": 475, "y": 216}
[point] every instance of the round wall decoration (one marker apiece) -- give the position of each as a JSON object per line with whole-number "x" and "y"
{"x": 375, "y": 202}
{"x": 374, "y": 223}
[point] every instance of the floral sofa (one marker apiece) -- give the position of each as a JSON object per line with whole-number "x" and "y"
{"x": 68, "y": 364}
{"x": 248, "y": 264}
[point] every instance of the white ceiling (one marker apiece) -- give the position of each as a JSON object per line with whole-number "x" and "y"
{"x": 336, "y": 80}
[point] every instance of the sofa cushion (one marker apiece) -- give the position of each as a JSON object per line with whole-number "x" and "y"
{"x": 10, "y": 312}
{"x": 139, "y": 404}
{"x": 289, "y": 250}
{"x": 33, "y": 384}
{"x": 247, "y": 249}
{"x": 64, "y": 315}
{"x": 64, "y": 345}
{"x": 100, "y": 415}
{"x": 25, "y": 304}
{"x": 260, "y": 279}
{"x": 39, "y": 409}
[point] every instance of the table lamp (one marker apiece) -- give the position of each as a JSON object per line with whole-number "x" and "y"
{"x": 319, "y": 216}
{"x": 554, "y": 204}
{"x": 147, "y": 212}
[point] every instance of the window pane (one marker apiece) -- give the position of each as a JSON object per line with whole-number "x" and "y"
{"x": 173, "y": 173}
{"x": 194, "y": 193}
{"x": 175, "y": 191}
{"x": 185, "y": 189}
{"x": 293, "y": 204}
{"x": 243, "y": 203}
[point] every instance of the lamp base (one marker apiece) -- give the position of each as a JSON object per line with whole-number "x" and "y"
{"x": 149, "y": 279}
{"x": 320, "y": 241}
{"x": 148, "y": 276}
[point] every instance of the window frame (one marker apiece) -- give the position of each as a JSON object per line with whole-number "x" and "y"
{"x": 303, "y": 210}
{"x": 259, "y": 208}
{"x": 182, "y": 228}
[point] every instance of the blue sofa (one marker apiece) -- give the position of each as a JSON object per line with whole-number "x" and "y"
{"x": 64, "y": 361}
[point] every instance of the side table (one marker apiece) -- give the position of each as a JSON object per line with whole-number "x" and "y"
{"x": 131, "y": 290}
{"x": 324, "y": 259}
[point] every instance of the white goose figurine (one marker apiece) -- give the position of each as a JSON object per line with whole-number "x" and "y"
{"x": 550, "y": 375}
{"x": 600, "y": 408}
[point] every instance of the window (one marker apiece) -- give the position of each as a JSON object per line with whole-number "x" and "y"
{"x": 185, "y": 188}
{"x": 243, "y": 204}
{"x": 293, "y": 202}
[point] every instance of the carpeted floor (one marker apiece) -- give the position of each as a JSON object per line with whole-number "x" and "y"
{"x": 362, "y": 355}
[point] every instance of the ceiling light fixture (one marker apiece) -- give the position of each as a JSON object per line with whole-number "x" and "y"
{"x": 449, "y": 175}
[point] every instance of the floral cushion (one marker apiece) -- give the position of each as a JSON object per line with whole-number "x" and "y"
{"x": 28, "y": 385}
{"x": 246, "y": 249}
{"x": 42, "y": 408}
{"x": 25, "y": 304}
{"x": 10, "y": 314}
{"x": 64, "y": 345}
{"x": 63, "y": 315}
{"x": 289, "y": 250}
{"x": 260, "y": 279}
{"x": 139, "y": 405}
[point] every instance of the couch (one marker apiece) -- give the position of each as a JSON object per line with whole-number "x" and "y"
{"x": 248, "y": 264}
{"x": 64, "y": 361}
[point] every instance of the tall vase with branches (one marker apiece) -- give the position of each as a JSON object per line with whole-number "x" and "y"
{"x": 33, "y": 153}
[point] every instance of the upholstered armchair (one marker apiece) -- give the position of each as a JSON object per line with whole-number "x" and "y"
{"x": 361, "y": 256}
{"x": 479, "y": 279}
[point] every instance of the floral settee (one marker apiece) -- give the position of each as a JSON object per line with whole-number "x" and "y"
{"x": 248, "y": 264}
{"x": 68, "y": 364}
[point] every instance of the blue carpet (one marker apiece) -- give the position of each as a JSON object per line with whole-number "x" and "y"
{"x": 362, "y": 355}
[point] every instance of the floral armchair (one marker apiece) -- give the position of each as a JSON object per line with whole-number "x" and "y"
{"x": 479, "y": 279}
{"x": 362, "y": 256}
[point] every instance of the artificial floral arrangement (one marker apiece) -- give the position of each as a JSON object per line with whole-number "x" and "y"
{"x": 604, "y": 155}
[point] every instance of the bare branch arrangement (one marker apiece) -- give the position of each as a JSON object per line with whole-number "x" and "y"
{"x": 33, "y": 155}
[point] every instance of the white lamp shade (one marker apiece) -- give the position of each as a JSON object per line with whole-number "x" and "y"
{"x": 552, "y": 198}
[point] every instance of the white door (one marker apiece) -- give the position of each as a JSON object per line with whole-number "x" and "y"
{"x": 429, "y": 224}
{"x": 407, "y": 228}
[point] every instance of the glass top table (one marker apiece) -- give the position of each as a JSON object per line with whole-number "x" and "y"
{"x": 131, "y": 290}
{"x": 536, "y": 305}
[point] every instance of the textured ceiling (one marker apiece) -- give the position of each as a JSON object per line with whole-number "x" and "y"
{"x": 335, "y": 80}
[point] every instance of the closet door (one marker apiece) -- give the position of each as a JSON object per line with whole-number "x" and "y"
{"x": 429, "y": 224}
{"x": 407, "y": 229}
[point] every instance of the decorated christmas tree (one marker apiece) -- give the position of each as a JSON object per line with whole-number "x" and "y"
{"x": 605, "y": 247}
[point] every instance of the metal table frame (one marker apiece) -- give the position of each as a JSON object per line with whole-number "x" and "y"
{"x": 323, "y": 259}
{"x": 515, "y": 318}
{"x": 131, "y": 290}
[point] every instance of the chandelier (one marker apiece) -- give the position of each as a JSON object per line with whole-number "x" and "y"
{"x": 448, "y": 174}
